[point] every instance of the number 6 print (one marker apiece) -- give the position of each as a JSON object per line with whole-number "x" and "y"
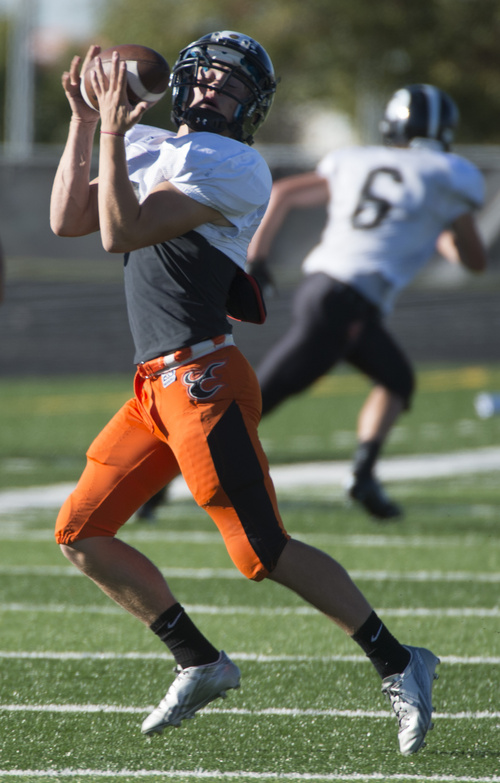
{"x": 372, "y": 209}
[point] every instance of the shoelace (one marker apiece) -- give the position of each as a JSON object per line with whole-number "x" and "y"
{"x": 400, "y": 707}
{"x": 163, "y": 703}
{"x": 398, "y": 704}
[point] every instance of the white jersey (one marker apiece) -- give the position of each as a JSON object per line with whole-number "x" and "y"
{"x": 387, "y": 208}
{"x": 211, "y": 169}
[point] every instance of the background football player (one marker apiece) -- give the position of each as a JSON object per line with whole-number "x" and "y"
{"x": 389, "y": 208}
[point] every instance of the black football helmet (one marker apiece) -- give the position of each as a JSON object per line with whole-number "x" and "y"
{"x": 420, "y": 111}
{"x": 242, "y": 58}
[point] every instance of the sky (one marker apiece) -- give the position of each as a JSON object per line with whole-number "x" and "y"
{"x": 71, "y": 18}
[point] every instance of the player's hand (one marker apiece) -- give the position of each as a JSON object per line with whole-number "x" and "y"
{"x": 260, "y": 270}
{"x": 117, "y": 113}
{"x": 71, "y": 84}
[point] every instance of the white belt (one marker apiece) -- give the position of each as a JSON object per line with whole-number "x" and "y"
{"x": 183, "y": 356}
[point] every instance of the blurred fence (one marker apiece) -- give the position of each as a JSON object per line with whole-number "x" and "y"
{"x": 64, "y": 311}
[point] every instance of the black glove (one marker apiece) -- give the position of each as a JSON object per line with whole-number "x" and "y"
{"x": 259, "y": 269}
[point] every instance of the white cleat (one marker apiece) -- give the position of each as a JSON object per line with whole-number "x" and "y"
{"x": 192, "y": 689}
{"x": 410, "y": 694}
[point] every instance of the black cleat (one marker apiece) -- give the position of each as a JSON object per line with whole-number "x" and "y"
{"x": 370, "y": 494}
{"x": 147, "y": 512}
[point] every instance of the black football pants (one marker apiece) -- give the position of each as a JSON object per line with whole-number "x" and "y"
{"x": 332, "y": 322}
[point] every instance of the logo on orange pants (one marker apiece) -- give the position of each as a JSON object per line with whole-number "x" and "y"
{"x": 196, "y": 382}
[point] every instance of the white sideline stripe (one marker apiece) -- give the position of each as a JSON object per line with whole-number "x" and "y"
{"x": 254, "y": 610}
{"x": 312, "y": 474}
{"x": 203, "y": 774}
{"x": 241, "y": 657}
{"x": 269, "y": 711}
{"x": 232, "y": 573}
{"x": 15, "y": 531}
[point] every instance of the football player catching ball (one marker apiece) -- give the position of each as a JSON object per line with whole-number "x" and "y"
{"x": 182, "y": 207}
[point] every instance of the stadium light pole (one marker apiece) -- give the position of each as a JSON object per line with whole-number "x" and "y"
{"x": 19, "y": 93}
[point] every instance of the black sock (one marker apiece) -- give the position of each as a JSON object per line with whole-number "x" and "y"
{"x": 365, "y": 456}
{"x": 379, "y": 645}
{"x": 186, "y": 643}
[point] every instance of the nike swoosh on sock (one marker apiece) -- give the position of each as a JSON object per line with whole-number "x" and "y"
{"x": 376, "y": 635}
{"x": 174, "y": 621}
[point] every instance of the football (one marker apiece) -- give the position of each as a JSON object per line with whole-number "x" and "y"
{"x": 147, "y": 74}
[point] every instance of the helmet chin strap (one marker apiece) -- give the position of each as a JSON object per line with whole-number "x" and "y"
{"x": 206, "y": 120}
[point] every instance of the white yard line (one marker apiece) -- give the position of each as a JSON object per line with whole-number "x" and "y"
{"x": 242, "y": 775}
{"x": 232, "y": 573}
{"x": 450, "y": 660}
{"x": 279, "y": 712}
{"x": 280, "y": 611}
{"x": 16, "y": 530}
{"x": 312, "y": 474}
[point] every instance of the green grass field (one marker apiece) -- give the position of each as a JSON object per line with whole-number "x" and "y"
{"x": 79, "y": 675}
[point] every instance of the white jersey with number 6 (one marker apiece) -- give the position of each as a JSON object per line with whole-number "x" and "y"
{"x": 387, "y": 207}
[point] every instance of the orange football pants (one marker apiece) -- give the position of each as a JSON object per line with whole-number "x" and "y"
{"x": 200, "y": 419}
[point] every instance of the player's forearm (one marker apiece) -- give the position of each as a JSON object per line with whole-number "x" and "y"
{"x": 301, "y": 191}
{"x": 73, "y": 206}
{"x": 471, "y": 252}
{"x": 118, "y": 206}
{"x": 277, "y": 210}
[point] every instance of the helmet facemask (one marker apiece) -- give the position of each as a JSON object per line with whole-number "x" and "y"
{"x": 240, "y": 58}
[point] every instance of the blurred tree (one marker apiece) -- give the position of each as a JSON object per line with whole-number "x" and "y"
{"x": 345, "y": 55}
{"x": 337, "y": 51}
{"x": 51, "y": 107}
